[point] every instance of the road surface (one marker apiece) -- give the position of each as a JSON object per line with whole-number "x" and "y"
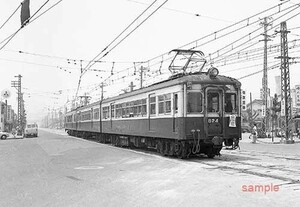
{"x": 58, "y": 170}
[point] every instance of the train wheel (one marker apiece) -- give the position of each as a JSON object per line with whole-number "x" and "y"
{"x": 160, "y": 147}
{"x": 181, "y": 150}
{"x": 211, "y": 155}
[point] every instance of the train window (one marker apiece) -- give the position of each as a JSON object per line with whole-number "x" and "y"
{"x": 144, "y": 107}
{"x": 161, "y": 104}
{"x": 230, "y": 102}
{"x": 105, "y": 111}
{"x": 86, "y": 115}
{"x": 118, "y": 110}
{"x": 194, "y": 102}
{"x": 213, "y": 102}
{"x": 153, "y": 105}
{"x": 175, "y": 103}
{"x": 135, "y": 108}
{"x": 112, "y": 111}
{"x": 96, "y": 113}
{"x": 164, "y": 104}
{"x": 123, "y": 114}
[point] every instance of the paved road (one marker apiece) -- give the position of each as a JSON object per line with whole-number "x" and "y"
{"x": 58, "y": 170}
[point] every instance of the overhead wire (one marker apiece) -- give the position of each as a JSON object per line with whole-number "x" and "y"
{"x": 30, "y": 20}
{"x": 245, "y": 36}
{"x": 89, "y": 65}
{"x": 246, "y": 20}
{"x": 23, "y": 25}
{"x": 124, "y": 30}
{"x": 184, "y": 12}
{"x": 10, "y": 16}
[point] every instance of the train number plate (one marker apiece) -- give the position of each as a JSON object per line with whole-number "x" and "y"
{"x": 213, "y": 120}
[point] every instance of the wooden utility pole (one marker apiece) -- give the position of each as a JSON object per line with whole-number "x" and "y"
{"x": 21, "y": 115}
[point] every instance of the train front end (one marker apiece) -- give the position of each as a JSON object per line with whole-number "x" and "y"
{"x": 213, "y": 114}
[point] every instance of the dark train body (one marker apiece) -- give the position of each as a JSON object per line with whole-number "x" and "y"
{"x": 187, "y": 114}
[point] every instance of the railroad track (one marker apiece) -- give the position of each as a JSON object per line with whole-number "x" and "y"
{"x": 273, "y": 168}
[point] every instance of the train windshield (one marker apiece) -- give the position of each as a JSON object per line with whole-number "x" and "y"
{"x": 213, "y": 102}
{"x": 230, "y": 102}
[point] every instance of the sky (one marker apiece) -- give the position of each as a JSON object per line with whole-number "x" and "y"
{"x": 50, "y": 51}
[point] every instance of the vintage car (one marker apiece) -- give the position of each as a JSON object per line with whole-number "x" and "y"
{"x": 31, "y": 130}
{"x": 3, "y": 135}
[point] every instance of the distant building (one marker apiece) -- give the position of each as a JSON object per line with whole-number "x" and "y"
{"x": 256, "y": 108}
{"x": 295, "y": 96}
{"x": 8, "y": 117}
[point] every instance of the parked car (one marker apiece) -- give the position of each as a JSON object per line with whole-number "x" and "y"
{"x": 3, "y": 135}
{"x": 31, "y": 130}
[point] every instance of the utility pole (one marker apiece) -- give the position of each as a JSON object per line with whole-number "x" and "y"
{"x": 102, "y": 91}
{"x": 251, "y": 108}
{"x": 141, "y": 75}
{"x": 131, "y": 86}
{"x": 286, "y": 110}
{"x": 17, "y": 85}
{"x": 265, "y": 76}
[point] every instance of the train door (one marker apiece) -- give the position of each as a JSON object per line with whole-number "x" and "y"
{"x": 92, "y": 118}
{"x": 214, "y": 111}
{"x": 152, "y": 111}
{"x": 175, "y": 112}
{"x": 77, "y": 115}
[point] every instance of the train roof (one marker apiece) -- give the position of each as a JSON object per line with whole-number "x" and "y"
{"x": 198, "y": 77}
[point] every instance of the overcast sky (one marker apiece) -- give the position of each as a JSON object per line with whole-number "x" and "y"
{"x": 79, "y": 30}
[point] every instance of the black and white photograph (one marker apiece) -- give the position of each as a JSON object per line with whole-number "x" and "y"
{"x": 149, "y": 103}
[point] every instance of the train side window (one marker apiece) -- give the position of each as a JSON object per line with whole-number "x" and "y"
{"x": 175, "y": 103}
{"x": 96, "y": 113}
{"x": 213, "y": 102}
{"x": 144, "y": 107}
{"x": 123, "y": 110}
{"x": 230, "y": 102}
{"x": 118, "y": 110}
{"x": 194, "y": 102}
{"x": 105, "y": 111}
{"x": 161, "y": 104}
{"x": 152, "y": 105}
{"x": 112, "y": 108}
{"x": 164, "y": 104}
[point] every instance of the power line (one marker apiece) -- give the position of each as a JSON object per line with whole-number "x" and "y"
{"x": 10, "y": 16}
{"x": 119, "y": 34}
{"x": 29, "y": 21}
{"x": 184, "y": 12}
{"x": 213, "y": 36}
{"x": 89, "y": 65}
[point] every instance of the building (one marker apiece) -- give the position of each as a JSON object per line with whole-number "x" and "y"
{"x": 8, "y": 117}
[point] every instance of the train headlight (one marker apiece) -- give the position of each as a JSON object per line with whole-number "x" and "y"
{"x": 213, "y": 72}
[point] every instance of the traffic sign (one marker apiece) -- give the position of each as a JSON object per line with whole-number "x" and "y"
{"x": 5, "y": 94}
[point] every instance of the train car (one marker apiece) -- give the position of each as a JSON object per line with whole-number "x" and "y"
{"x": 194, "y": 113}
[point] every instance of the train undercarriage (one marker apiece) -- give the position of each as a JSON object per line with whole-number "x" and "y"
{"x": 166, "y": 147}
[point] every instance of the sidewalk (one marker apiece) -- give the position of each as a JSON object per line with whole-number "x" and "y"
{"x": 266, "y": 140}
{"x": 276, "y": 140}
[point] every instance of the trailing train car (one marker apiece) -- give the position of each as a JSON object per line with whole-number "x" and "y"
{"x": 194, "y": 113}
